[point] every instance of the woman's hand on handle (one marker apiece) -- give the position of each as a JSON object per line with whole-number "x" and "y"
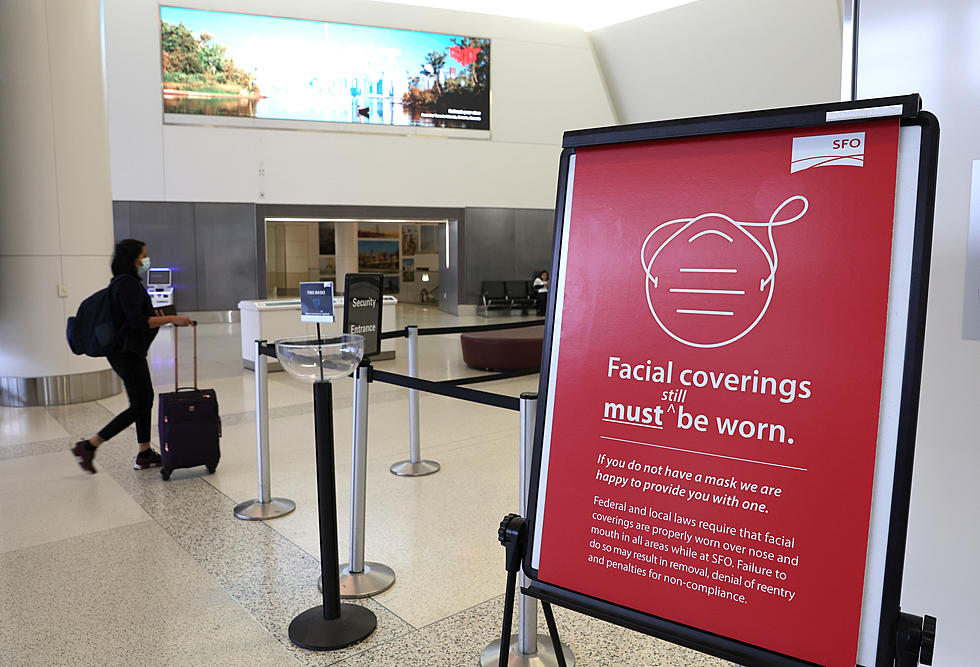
{"x": 176, "y": 320}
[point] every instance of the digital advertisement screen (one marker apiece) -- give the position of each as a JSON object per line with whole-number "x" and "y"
{"x": 227, "y": 64}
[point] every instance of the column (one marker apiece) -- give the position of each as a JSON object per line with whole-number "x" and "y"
{"x": 55, "y": 197}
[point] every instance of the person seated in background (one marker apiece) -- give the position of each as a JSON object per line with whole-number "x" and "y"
{"x": 540, "y": 289}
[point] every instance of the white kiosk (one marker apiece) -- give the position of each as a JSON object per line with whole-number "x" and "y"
{"x": 159, "y": 285}
{"x": 273, "y": 319}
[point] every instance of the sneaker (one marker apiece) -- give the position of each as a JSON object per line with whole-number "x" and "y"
{"x": 84, "y": 453}
{"x": 147, "y": 459}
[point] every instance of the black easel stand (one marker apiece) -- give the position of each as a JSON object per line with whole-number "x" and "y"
{"x": 331, "y": 625}
{"x": 513, "y": 536}
{"x": 915, "y": 638}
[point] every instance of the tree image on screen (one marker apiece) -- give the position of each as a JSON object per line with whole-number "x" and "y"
{"x": 213, "y": 63}
{"x": 199, "y": 77}
{"x": 453, "y": 85}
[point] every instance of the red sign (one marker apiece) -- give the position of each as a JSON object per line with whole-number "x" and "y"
{"x": 713, "y": 426}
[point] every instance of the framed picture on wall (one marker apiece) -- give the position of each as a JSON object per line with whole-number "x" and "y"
{"x": 391, "y": 285}
{"x": 328, "y": 243}
{"x": 377, "y": 256}
{"x": 377, "y": 230}
{"x": 328, "y": 268}
{"x": 408, "y": 269}
{"x": 427, "y": 238}
{"x": 410, "y": 239}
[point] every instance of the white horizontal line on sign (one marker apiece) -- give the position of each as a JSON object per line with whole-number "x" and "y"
{"x": 704, "y": 312}
{"x": 616, "y": 421}
{"x": 709, "y": 270}
{"x": 692, "y": 451}
{"x": 708, "y": 291}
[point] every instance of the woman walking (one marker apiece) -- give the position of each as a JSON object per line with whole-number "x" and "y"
{"x": 137, "y": 324}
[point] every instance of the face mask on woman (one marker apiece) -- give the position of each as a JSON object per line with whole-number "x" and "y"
{"x": 143, "y": 268}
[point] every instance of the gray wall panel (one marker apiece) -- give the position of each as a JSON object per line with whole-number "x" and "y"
{"x": 168, "y": 230}
{"x": 488, "y": 248}
{"x": 120, "y": 220}
{"x": 227, "y": 263}
{"x": 504, "y": 244}
{"x": 218, "y": 253}
{"x": 533, "y": 237}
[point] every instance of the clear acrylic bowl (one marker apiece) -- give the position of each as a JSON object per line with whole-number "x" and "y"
{"x": 328, "y": 358}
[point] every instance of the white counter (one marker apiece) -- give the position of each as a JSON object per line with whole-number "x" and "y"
{"x": 273, "y": 319}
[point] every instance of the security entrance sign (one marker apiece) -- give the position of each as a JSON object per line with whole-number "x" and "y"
{"x": 716, "y": 384}
{"x": 362, "y": 309}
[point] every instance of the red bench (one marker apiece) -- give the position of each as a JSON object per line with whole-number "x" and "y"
{"x": 503, "y": 350}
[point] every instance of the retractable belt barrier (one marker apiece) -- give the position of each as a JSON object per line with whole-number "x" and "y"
{"x": 415, "y": 466}
{"x": 359, "y": 578}
{"x": 444, "y": 389}
{"x": 436, "y": 331}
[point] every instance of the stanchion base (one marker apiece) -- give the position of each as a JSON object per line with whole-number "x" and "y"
{"x": 543, "y": 657}
{"x": 312, "y": 631}
{"x": 374, "y": 579}
{"x": 416, "y": 469}
{"x": 253, "y": 510}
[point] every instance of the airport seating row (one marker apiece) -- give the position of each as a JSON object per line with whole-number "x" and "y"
{"x": 506, "y": 295}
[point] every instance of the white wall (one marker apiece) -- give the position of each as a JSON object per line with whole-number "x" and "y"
{"x": 544, "y": 80}
{"x": 934, "y": 49}
{"x": 721, "y": 56}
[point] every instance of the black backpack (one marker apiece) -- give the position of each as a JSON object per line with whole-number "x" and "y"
{"x": 92, "y": 331}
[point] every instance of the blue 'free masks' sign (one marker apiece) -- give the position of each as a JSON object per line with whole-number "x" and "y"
{"x": 316, "y": 302}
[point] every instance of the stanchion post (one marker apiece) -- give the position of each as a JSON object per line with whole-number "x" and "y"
{"x": 265, "y": 506}
{"x": 528, "y": 648}
{"x": 333, "y": 624}
{"x": 527, "y": 608}
{"x": 414, "y": 466}
{"x": 357, "y": 578}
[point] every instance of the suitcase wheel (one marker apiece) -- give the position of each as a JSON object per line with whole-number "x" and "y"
{"x": 165, "y": 473}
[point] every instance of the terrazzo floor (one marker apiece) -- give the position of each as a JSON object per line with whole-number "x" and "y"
{"x": 121, "y": 568}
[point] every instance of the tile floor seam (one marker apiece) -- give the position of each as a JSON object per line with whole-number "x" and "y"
{"x": 217, "y": 579}
{"x": 5, "y": 450}
{"x": 427, "y": 450}
{"x": 471, "y": 441}
{"x": 231, "y": 594}
{"x": 148, "y": 519}
{"x": 54, "y": 409}
{"x": 316, "y": 558}
{"x": 302, "y": 550}
{"x": 386, "y": 642}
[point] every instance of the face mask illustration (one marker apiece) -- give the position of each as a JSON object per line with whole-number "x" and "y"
{"x": 709, "y": 279}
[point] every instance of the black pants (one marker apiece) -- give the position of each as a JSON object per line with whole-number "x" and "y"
{"x": 541, "y": 299}
{"x": 135, "y": 374}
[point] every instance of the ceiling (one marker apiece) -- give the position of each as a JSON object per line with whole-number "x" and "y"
{"x": 589, "y": 15}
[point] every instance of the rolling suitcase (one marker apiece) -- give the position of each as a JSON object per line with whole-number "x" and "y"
{"x": 189, "y": 424}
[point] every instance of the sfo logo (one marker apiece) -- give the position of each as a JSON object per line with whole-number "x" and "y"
{"x": 827, "y": 150}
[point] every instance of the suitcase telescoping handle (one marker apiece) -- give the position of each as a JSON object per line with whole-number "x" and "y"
{"x": 177, "y": 365}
